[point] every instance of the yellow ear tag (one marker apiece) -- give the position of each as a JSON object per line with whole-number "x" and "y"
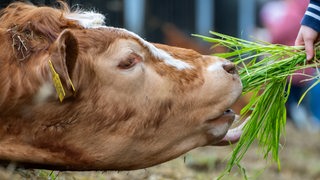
{"x": 57, "y": 82}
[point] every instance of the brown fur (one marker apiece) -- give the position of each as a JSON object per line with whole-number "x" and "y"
{"x": 116, "y": 118}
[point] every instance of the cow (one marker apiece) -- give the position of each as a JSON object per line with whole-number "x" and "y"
{"x": 76, "y": 94}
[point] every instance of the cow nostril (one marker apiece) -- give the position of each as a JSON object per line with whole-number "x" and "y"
{"x": 230, "y": 68}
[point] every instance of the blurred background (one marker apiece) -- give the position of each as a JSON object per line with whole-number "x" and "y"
{"x": 152, "y": 19}
{"x": 172, "y": 22}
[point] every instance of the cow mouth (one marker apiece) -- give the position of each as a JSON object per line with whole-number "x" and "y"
{"x": 229, "y": 113}
{"x": 233, "y": 135}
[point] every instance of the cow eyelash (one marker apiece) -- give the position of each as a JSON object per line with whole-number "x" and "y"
{"x": 126, "y": 64}
{"x": 130, "y": 61}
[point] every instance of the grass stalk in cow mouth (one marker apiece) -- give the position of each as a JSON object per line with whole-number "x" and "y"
{"x": 266, "y": 72}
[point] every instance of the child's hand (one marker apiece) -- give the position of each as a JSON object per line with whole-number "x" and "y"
{"x": 307, "y": 37}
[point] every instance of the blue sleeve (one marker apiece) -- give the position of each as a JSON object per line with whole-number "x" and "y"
{"x": 312, "y": 16}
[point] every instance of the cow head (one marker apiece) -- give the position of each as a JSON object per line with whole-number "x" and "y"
{"x": 77, "y": 95}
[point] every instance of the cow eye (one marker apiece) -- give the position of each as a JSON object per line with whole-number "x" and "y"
{"x": 129, "y": 61}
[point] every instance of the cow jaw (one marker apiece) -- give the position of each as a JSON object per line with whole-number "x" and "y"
{"x": 220, "y": 131}
{"x": 234, "y": 134}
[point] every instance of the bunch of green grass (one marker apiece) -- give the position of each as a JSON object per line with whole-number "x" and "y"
{"x": 266, "y": 71}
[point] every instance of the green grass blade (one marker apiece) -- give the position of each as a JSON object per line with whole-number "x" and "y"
{"x": 266, "y": 72}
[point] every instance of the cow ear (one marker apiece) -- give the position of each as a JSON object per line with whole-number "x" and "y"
{"x": 64, "y": 54}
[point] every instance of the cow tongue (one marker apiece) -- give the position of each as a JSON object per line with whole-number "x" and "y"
{"x": 233, "y": 135}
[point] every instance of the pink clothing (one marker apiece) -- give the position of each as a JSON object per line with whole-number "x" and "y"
{"x": 282, "y": 20}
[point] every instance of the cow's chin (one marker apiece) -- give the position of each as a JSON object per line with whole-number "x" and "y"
{"x": 221, "y": 129}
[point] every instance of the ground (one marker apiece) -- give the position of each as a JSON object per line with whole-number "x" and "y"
{"x": 300, "y": 159}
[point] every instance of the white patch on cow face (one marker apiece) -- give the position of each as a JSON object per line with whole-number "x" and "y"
{"x": 215, "y": 66}
{"x": 169, "y": 60}
{"x": 87, "y": 19}
{"x": 162, "y": 55}
{"x": 96, "y": 20}
{"x": 159, "y": 53}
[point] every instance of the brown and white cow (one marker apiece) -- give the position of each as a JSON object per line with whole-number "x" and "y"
{"x": 78, "y": 95}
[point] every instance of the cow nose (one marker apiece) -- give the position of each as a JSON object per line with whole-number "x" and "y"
{"x": 229, "y": 67}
